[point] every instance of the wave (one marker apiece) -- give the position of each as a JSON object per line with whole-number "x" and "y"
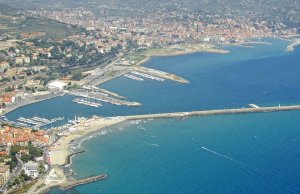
{"x": 153, "y": 136}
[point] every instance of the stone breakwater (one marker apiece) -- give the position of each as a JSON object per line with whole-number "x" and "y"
{"x": 214, "y": 112}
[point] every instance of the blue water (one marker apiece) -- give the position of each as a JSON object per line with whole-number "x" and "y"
{"x": 264, "y": 74}
{"x": 255, "y": 153}
{"x": 250, "y": 153}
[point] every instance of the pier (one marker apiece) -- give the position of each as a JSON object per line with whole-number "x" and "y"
{"x": 215, "y": 112}
{"x": 71, "y": 184}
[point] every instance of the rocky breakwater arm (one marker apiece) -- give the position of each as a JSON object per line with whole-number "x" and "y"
{"x": 74, "y": 183}
{"x": 215, "y": 112}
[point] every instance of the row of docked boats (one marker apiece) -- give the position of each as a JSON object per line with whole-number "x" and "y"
{"x": 148, "y": 76}
{"x": 133, "y": 77}
{"x": 87, "y": 102}
{"x": 36, "y": 122}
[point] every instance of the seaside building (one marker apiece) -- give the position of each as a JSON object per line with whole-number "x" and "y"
{"x": 31, "y": 169}
{"x": 8, "y": 98}
{"x": 4, "y": 174}
{"x": 56, "y": 85}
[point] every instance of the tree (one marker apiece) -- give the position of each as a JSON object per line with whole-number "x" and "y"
{"x": 77, "y": 76}
{"x": 41, "y": 168}
{"x": 34, "y": 151}
{"x": 26, "y": 157}
{"x": 15, "y": 149}
{"x": 24, "y": 177}
{"x": 9, "y": 89}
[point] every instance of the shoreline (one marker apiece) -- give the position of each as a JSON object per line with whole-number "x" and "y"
{"x": 27, "y": 102}
{"x": 101, "y": 124}
{"x": 83, "y": 131}
{"x": 148, "y": 53}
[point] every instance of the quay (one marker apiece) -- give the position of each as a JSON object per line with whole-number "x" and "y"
{"x": 71, "y": 184}
{"x": 215, "y": 112}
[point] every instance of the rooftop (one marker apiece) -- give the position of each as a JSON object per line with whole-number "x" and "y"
{"x": 4, "y": 168}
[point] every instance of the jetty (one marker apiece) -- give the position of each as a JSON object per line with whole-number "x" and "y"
{"x": 254, "y": 109}
{"x": 73, "y": 154}
{"x": 75, "y": 183}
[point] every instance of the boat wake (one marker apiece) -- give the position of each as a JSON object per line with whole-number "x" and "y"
{"x": 153, "y": 136}
{"x": 227, "y": 157}
{"x": 151, "y": 144}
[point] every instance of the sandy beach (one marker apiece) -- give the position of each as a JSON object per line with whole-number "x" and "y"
{"x": 61, "y": 150}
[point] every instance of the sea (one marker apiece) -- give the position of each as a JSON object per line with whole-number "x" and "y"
{"x": 247, "y": 153}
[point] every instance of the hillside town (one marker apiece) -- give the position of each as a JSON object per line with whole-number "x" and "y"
{"x": 35, "y": 66}
{"x": 21, "y": 156}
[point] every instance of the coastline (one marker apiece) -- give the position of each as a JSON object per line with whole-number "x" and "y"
{"x": 65, "y": 149}
{"x": 174, "y": 50}
{"x": 62, "y": 157}
{"x": 79, "y": 139}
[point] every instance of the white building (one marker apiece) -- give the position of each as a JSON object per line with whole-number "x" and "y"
{"x": 56, "y": 85}
{"x": 31, "y": 169}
